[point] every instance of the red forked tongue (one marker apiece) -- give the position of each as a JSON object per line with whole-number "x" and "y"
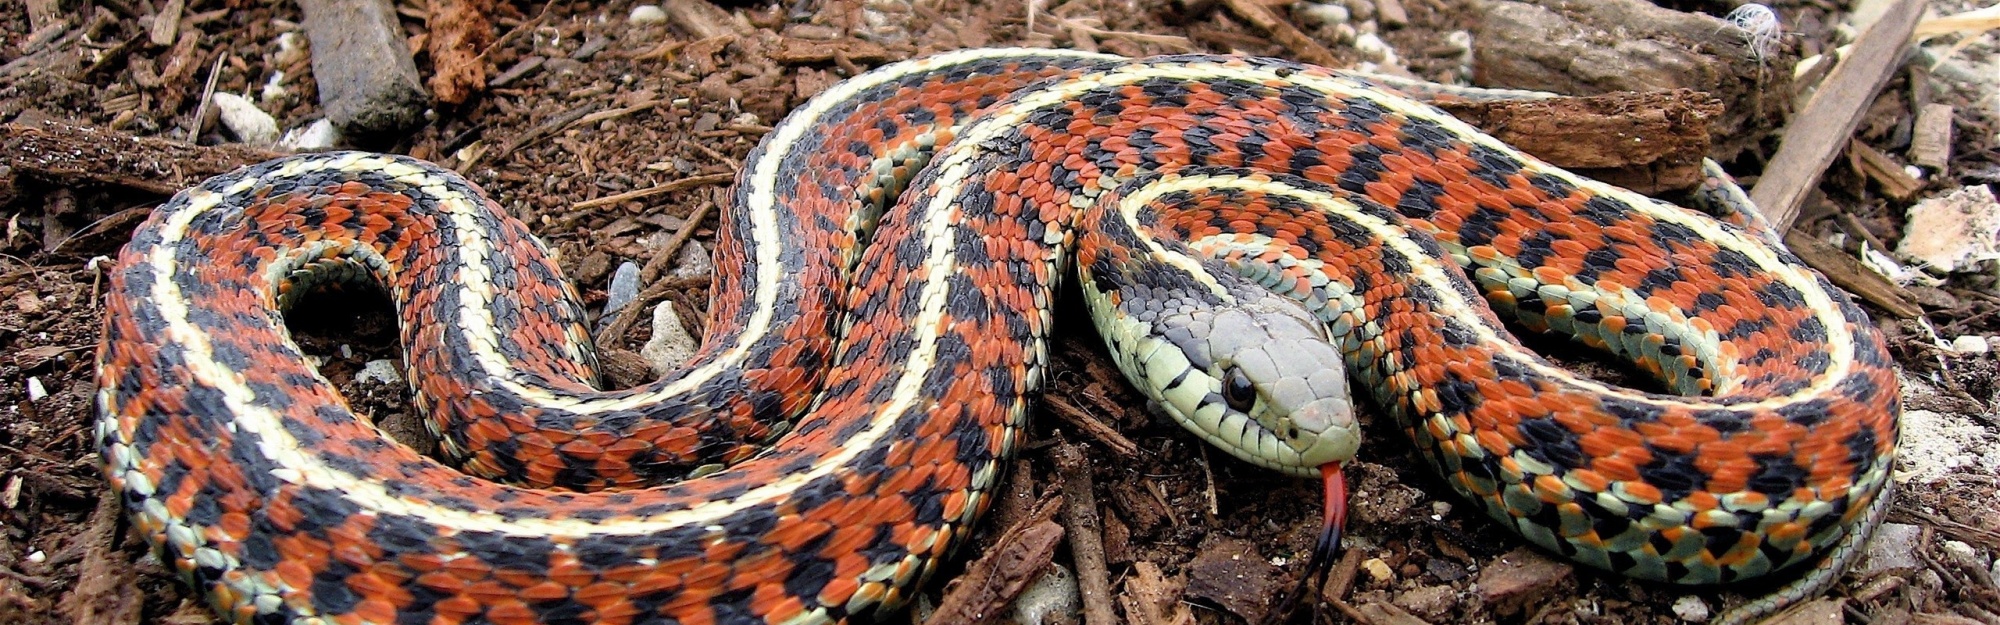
{"x": 1335, "y": 518}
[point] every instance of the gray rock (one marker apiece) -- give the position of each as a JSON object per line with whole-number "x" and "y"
{"x": 367, "y": 82}
{"x": 1893, "y": 550}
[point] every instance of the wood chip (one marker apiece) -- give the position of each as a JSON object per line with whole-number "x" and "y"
{"x": 701, "y": 19}
{"x": 1649, "y": 142}
{"x": 1823, "y": 126}
{"x": 103, "y": 592}
{"x": 1899, "y": 185}
{"x": 72, "y": 155}
{"x": 795, "y": 51}
{"x": 668, "y": 187}
{"x": 1150, "y": 598}
{"x": 44, "y": 14}
{"x": 992, "y": 582}
{"x": 1930, "y": 137}
{"x": 1847, "y": 273}
{"x": 167, "y": 23}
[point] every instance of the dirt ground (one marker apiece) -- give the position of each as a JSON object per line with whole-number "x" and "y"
{"x": 583, "y": 104}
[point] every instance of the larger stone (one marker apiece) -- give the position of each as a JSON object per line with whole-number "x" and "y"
{"x": 368, "y": 83}
{"x": 1521, "y": 580}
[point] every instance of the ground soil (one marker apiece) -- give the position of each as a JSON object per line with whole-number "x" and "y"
{"x": 690, "y": 106}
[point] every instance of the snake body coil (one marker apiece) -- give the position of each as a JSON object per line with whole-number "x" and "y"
{"x": 1193, "y": 188}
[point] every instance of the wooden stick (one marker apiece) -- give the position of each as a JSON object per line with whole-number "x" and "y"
{"x": 1261, "y": 17}
{"x": 1086, "y": 534}
{"x": 676, "y": 185}
{"x": 1830, "y": 117}
{"x": 1092, "y": 427}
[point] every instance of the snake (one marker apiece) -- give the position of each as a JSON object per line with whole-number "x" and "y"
{"x": 1251, "y": 237}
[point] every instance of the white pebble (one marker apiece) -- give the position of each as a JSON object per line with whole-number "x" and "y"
{"x": 1441, "y": 508}
{"x": 1961, "y": 553}
{"x": 35, "y": 389}
{"x": 248, "y": 123}
{"x": 1374, "y": 48}
{"x": 1691, "y": 609}
{"x": 1970, "y": 344}
{"x": 318, "y": 135}
{"x": 1325, "y": 14}
{"x": 291, "y": 50}
{"x": 670, "y": 345}
{"x": 38, "y": 557}
{"x": 647, "y": 14}
{"x": 1055, "y": 592}
{"x": 379, "y": 372}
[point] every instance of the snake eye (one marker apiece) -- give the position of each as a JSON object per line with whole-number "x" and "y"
{"x": 1238, "y": 391}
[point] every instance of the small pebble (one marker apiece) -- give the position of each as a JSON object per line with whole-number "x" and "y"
{"x": 1378, "y": 570}
{"x": 249, "y": 124}
{"x": 35, "y": 389}
{"x": 318, "y": 135}
{"x": 670, "y": 345}
{"x": 647, "y": 14}
{"x": 274, "y": 90}
{"x": 1325, "y": 14}
{"x": 1893, "y": 550}
{"x": 1445, "y": 570}
{"x": 1691, "y": 609}
{"x": 1374, "y": 48}
{"x": 693, "y": 262}
{"x": 623, "y": 289}
{"x": 1054, "y": 593}
{"x": 379, "y": 372}
{"x": 1962, "y": 554}
{"x": 1441, "y": 509}
{"x": 38, "y": 557}
{"x": 291, "y": 50}
{"x": 1970, "y": 344}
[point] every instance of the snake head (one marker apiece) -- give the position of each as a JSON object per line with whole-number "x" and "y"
{"x": 1256, "y": 376}
{"x": 1276, "y": 366}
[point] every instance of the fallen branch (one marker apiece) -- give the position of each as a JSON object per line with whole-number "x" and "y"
{"x": 1822, "y": 128}
{"x": 68, "y": 155}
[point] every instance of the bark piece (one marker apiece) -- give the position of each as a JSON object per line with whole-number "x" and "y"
{"x": 1086, "y": 534}
{"x": 1017, "y": 558}
{"x": 460, "y": 33}
{"x": 1587, "y": 47}
{"x": 1647, "y": 142}
{"x": 1230, "y": 573}
{"x": 367, "y": 82}
{"x": 103, "y": 594}
{"x": 1899, "y": 185}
